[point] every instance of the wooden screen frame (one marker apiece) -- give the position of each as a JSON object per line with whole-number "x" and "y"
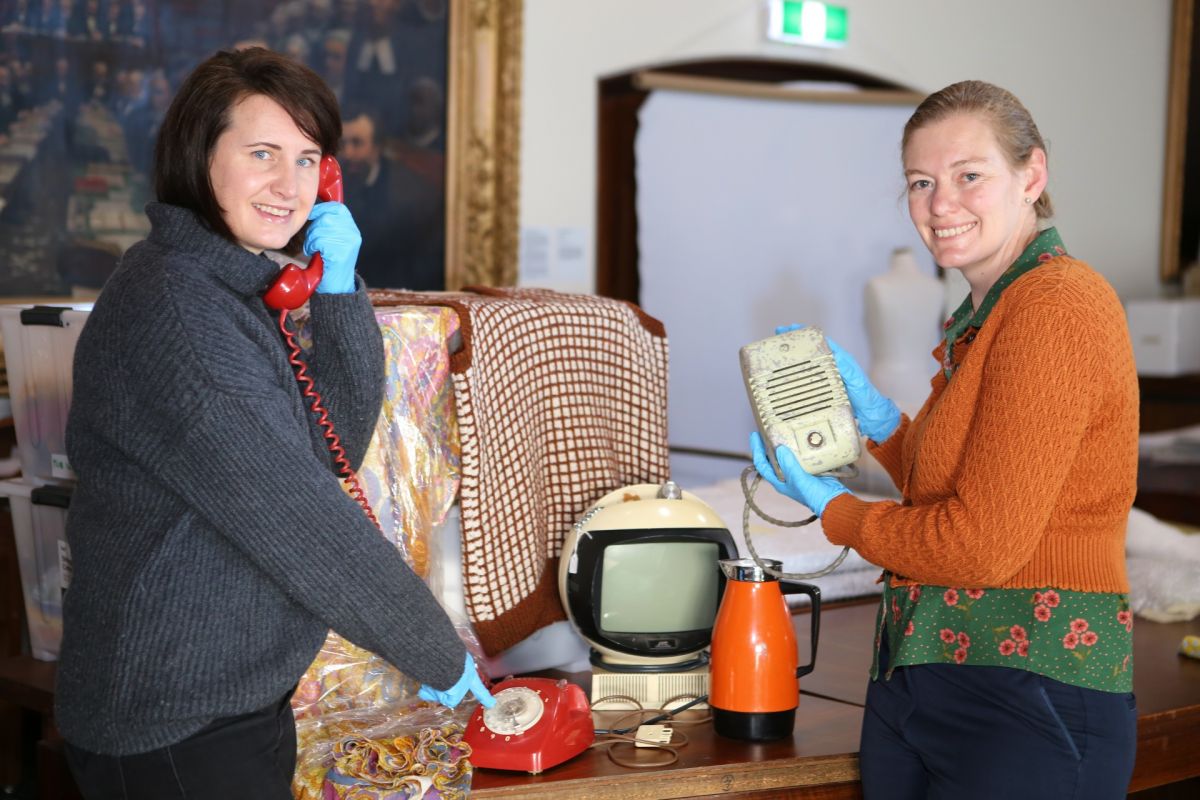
{"x": 1179, "y": 86}
{"x": 619, "y": 99}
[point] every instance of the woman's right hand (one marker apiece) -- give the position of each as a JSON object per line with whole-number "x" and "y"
{"x": 877, "y": 416}
{"x": 333, "y": 233}
{"x": 469, "y": 682}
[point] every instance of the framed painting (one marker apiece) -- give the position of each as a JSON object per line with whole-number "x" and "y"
{"x": 484, "y": 158}
{"x": 429, "y": 91}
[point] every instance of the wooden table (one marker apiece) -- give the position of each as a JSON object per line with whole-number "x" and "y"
{"x": 819, "y": 761}
{"x": 1167, "y": 686}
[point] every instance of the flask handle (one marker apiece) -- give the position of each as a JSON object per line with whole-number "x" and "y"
{"x": 814, "y": 594}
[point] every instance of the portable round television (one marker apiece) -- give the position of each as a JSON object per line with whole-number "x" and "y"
{"x": 640, "y": 580}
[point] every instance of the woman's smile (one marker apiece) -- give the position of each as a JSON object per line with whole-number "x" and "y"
{"x": 274, "y": 214}
{"x": 958, "y": 230}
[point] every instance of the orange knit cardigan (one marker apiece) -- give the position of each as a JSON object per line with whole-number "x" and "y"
{"x": 1020, "y": 471}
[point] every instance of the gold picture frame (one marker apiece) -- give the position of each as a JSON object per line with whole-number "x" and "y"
{"x": 483, "y": 142}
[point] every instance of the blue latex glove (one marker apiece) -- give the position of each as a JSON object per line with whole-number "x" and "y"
{"x": 469, "y": 682}
{"x": 334, "y": 235}
{"x": 810, "y": 490}
{"x": 877, "y": 416}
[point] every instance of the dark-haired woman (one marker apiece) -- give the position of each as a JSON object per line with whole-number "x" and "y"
{"x": 213, "y": 545}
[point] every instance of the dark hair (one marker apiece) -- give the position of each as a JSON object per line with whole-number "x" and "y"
{"x": 201, "y": 110}
{"x": 1010, "y": 121}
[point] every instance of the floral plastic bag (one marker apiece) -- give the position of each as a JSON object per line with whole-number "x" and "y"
{"x": 362, "y": 733}
{"x": 428, "y": 763}
{"x": 351, "y": 704}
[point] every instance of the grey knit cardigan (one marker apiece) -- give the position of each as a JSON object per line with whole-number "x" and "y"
{"x": 212, "y": 544}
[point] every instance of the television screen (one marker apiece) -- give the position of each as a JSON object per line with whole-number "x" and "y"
{"x": 645, "y": 593}
{"x": 640, "y": 587}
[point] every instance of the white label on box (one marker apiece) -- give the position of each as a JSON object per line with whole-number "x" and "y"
{"x": 64, "y": 565}
{"x": 60, "y": 466}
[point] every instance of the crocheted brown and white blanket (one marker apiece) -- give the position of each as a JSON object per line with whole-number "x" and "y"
{"x": 560, "y": 398}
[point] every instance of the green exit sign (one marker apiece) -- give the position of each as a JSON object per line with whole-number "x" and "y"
{"x": 807, "y": 22}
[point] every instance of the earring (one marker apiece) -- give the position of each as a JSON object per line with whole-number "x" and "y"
{"x": 1028, "y": 200}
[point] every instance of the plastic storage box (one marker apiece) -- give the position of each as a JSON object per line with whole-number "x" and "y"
{"x": 39, "y": 348}
{"x": 1166, "y": 335}
{"x": 39, "y": 515}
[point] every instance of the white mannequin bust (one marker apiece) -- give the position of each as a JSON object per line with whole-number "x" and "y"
{"x": 956, "y": 288}
{"x": 903, "y": 316}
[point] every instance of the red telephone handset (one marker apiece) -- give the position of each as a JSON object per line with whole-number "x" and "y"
{"x": 290, "y": 290}
{"x": 295, "y": 284}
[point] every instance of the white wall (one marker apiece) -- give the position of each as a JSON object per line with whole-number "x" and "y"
{"x": 735, "y": 239}
{"x": 1092, "y": 72}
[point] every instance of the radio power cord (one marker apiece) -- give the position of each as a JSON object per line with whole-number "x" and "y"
{"x": 748, "y": 491}
{"x": 617, "y": 736}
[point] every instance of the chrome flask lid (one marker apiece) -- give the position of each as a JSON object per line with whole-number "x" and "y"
{"x": 746, "y": 569}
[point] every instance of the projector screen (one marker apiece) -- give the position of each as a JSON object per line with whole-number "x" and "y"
{"x": 754, "y": 213}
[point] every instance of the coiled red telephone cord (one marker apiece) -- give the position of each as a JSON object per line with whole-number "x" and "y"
{"x": 345, "y": 471}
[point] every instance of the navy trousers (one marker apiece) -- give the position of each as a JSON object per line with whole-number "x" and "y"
{"x": 948, "y": 731}
{"x": 234, "y": 758}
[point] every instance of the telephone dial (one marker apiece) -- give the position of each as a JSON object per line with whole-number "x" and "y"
{"x": 537, "y": 723}
{"x": 295, "y": 284}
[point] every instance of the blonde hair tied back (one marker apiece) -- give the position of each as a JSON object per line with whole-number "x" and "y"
{"x": 1010, "y": 121}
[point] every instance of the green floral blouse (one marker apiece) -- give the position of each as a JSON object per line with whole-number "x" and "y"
{"x": 1081, "y": 638}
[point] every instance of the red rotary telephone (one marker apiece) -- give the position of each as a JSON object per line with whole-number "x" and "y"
{"x": 295, "y": 284}
{"x": 536, "y": 724}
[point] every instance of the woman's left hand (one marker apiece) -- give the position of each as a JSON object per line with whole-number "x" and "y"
{"x": 333, "y": 234}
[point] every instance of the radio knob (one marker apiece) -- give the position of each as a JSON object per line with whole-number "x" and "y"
{"x": 815, "y": 439}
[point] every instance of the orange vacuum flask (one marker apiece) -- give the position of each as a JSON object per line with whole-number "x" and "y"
{"x": 754, "y": 689}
